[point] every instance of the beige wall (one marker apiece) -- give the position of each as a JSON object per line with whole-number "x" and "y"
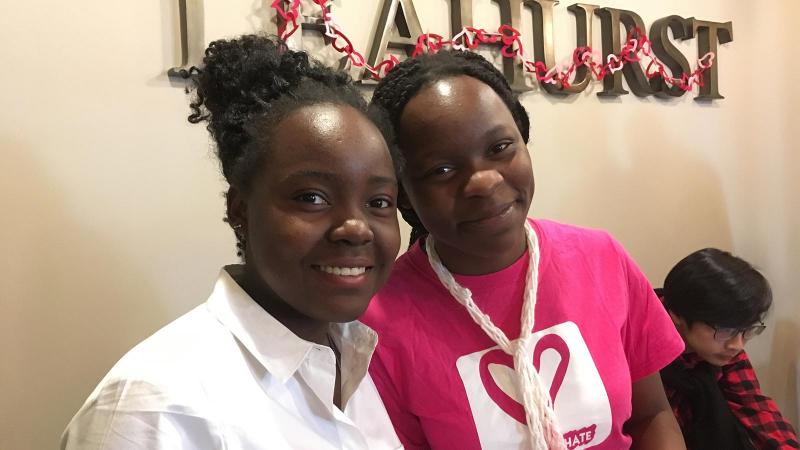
{"x": 111, "y": 207}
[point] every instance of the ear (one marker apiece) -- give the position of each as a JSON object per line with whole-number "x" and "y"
{"x": 236, "y": 205}
{"x": 680, "y": 323}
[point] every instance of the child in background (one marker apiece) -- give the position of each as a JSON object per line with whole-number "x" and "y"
{"x": 274, "y": 359}
{"x": 718, "y": 302}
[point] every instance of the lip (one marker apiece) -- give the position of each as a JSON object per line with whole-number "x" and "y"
{"x": 344, "y": 281}
{"x": 346, "y": 262}
{"x": 726, "y": 357}
{"x": 492, "y": 216}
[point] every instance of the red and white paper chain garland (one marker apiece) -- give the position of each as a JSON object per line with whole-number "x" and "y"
{"x": 637, "y": 48}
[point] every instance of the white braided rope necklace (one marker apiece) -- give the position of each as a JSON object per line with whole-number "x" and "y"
{"x": 542, "y": 426}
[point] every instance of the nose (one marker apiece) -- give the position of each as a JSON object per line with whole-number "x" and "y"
{"x": 352, "y": 231}
{"x": 735, "y": 343}
{"x": 483, "y": 183}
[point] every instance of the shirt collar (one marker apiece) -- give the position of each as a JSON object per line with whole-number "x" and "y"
{"x": 356, "y": 343}
{"x": 276, "y": 347}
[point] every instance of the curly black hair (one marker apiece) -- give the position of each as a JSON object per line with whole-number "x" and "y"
{"x": 715, "y": 287}
{"x": 247, "y": 85}
{"x": 406, "y": 79}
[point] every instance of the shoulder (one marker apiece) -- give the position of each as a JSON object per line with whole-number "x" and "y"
{"x": 739, "y": 369}
{"x": 167, "y": 367}
{"x": 579, "y": 247}
{"x": 179, "y": 342}
{"x": 163, "y": 375}
{"x": 740, "y": 360}
{"x": 572, "y": 236}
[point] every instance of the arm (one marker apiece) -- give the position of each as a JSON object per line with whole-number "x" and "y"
{"x": 757, "y": 413}
{"x": 652, "y": 424}
{"x": 651, "y": 342}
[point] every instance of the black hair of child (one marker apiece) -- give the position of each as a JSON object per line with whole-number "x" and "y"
{"x": 715, "y": 287}
{"x": 247, "y": 85}
{"x": 406, "y": 79}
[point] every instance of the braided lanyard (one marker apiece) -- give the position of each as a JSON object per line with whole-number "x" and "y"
{"x": 542, "y": 427}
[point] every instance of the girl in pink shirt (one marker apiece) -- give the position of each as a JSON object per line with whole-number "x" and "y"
{"x": 495, "y": 330}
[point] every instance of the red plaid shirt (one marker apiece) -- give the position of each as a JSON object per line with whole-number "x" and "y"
{"x": 757, "y": 413}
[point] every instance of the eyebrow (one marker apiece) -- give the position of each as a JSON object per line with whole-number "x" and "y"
{"x": 491, "y": 133}
{"x": 329, "y": 176}
{"x": 333, "y": 177}
{"x": 500, "y": 128}
{"x": 377, "y": 179}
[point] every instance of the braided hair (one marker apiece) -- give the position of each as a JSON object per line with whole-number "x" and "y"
{"x": 247, "y": 85}
{"x": 406, "y": 79}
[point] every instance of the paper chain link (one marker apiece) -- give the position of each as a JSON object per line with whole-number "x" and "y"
{"x": 637, "y": 48}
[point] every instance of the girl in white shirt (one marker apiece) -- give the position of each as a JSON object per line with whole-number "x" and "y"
{"x": 274, "y": 359}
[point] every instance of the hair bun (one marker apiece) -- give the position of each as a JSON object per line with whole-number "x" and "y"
{"x": 244, "y": 74}
{"x": 246, "y": 85}
{"x": 240, "y": 79}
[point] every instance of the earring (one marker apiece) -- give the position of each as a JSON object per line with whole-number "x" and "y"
{"x": 238, "y": 231}
{"x": 241, "y": 241}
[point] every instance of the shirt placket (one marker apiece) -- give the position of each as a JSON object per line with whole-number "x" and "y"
{"x": 319, "y": 372}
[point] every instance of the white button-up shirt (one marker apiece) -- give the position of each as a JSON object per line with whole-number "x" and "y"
{"x": 227, "y": 375}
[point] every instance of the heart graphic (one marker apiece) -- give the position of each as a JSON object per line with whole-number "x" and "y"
{"x": 497, "y": 356}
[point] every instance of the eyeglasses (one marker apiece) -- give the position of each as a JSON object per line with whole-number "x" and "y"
{"x": 726, "y": 334}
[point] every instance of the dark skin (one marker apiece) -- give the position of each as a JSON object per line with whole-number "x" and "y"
{"x": 468, "y": 174}
{"x": 469, "y": 178}
{"x": 319, "y": 221}
{"x": 652, "y": 424}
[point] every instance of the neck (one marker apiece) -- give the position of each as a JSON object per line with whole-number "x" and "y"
{"x": 463, "y": 262}
{"x": 302, "y": 326}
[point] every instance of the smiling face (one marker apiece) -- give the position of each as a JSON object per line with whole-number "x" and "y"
{"x": 320, "y": 217}
{"x": 468, "y": 173}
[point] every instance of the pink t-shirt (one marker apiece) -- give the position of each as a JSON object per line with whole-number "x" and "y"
{"x": 598, "y": 328}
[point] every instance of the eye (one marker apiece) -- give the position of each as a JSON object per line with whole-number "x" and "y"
{"x": 313, "y": 198}
{"x": 754, "y": 331}
{"x": 725, "y": 334}
{"x": 380, "y": 203}
{"x": 440, "y": 171}
{"x": 499, "y": 148}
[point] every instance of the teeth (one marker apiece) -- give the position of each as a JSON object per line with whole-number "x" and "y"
{"x": 343, "y": 271}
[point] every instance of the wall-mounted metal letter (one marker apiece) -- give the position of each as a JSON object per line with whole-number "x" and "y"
{"x": 190, "y": 19}
{"x": 610, "y": 20}
{"x": 315, "y": 24}
{"x": 709, "y": 34}
{"x": 306, "y": 22}
{"x": 666, "y": 51}
{"x": 511, "y": 14}
{"x": 583, "y": 25}
{"x": 543, "y": 38}
{"x": 460, "y": 15}
{"x": 398, "y": 28}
